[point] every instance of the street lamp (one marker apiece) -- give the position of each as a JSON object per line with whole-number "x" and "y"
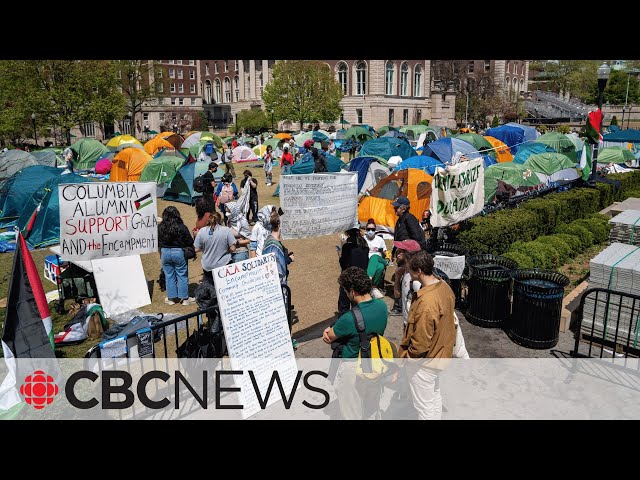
{"x": 175, "y": 128}
{"x": 272, "y": 120}
{"x": 603, "y": 76}
{"x": 35, "y": 133}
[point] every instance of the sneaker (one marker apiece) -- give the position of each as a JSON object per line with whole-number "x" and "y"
{"x": 395, "y": 311}
{"x": 188, "y": 301}
{"x": 169, "y": 301}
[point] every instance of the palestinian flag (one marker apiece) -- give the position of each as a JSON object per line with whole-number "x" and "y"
{"x": 144, "y": 201}
{"x": 592, "y": 130}
{"x": 27, "y": 326}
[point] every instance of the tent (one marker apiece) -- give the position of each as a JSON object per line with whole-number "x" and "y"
{"x": 260, "y": 149}
{"x": 511, "y": 178}
{"x": 530, "y": 133}
{"x": 16, "y": 190}
{"x": 412, "y": 183}
{"x": 89, "y": 152}
{"x": 315, "y": 135}
{"x": 623, "y": 136}
{"x": 361, "y": 133}
{"x": 478, "y": 141}
{"x": 578, "y": 143}
{"x": 511, "y": 136}
{"x": 168, "y": 140}
{"x": 13, "y": 161}
{"x": 560, "y": 143}
{"x": 387, "y": 147}
{"x": 383, "y": 130}
{"x": 49, "y": 157}
{"x": 181, "y": 187}
{"x": 396, "y": 134}
{"x": 370, "y": 172}
{"x": 202, "y": 137}
{"x": 115, "y": 142}
{"x": 243, "y": 154}
{"x": 274, "y": 142}
{"x": 103, "y": 166}
{"x": 531, "y": 148}
{"x": 128, "y": 165}
{"x": 46, "y": 228}
{"x": 615, "y": 155}
{"x": 421, "y": 162}
{"x": 431, "y": 135}
{"x": 551, "y": 167}
{"x": 445, "y": 148}
{"x": 161, "y": 170}
{"x": 502, "y": 152}
{"x": 414, "y": 131}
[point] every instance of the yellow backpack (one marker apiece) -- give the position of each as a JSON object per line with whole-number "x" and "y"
{"x": 376, "y": 352}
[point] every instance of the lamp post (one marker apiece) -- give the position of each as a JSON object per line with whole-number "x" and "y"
{"x": 603, "y": 76}
{"x": 466, "y": 111}
{"x": 35, "y": 132}
{"x": 272, "y": 120}
{"x": 175, "y": 128}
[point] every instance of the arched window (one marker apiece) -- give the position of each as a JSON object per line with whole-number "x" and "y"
{"x": 404, "y": 80}
{"x": 508, "y": 64}
{"x": 218, "y": 96}
{"x": 227, "y": 90}
{"x": 388, "y": 79}
{"x": 207, "y": 94}
{"x": 522, "y": 84}
{"x": 515, "y": 68}
{"x": 515, "y": 84}
{"x": 417, "y": 81}
{"x": 361, "y": 78}
{"x": 236, "y": 86}
{"x": 507, "y": 82}
{"x": 342, "y": 77}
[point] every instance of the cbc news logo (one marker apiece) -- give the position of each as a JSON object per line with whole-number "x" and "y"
{"x": 39, "y": 389}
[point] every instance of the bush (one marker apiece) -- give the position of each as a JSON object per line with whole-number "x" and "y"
{"x": 564, "y": 250}
{"x": 584, "y": 235}
{"x": 522, "y": 259}
{"x": 496, "y": 232}
{"x": 599, "y": 230}
{"x": 563, "y": 129}
{"x": 571, "y": 240}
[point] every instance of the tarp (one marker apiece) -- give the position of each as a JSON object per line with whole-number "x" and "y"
{"x": 16, "y": 190}
{"x": 49, "y": 157}
{"x": 560, "y": 143}
{"x": 445, "y": 148}
{"x": 512, "y": 136}
{"x": 411, "y": 183}
{"x": 89, "y": 152}
{"x": 387, "y": 147}
{"x": 516, "y": 176}
{"x": 128, "y": 165}
{"x": 531, "y": 148}
{"x": 503, "y": 154}
{"x": 46, "y": 228}
{"x": 13, "y": 161}
{"x": 629, "y": 135}
{"x": 549, "y": 163}
{"x": 115, "y": 142}
{"x": 181, "y": 187}
{"x": 421, "y": 162}
{"x": 614, "y": 155}
{"x": 370, "y": 172}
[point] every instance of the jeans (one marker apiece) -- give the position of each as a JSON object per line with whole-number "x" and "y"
{"x": 253, "y": 210}
{"x": 239, "y": 256}
{"x": 176, "y": 273}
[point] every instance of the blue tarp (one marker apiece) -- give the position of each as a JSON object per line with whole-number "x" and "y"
{"x": 421, "y": 162}
{"x": 444, "y": 148}
{"x": 630, "y": 135}
{"x": 387, "y": 147}
{"x": 528, "y": 149}
{"x": 361, "y": 165}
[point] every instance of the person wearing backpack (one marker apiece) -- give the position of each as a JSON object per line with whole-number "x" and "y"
{"x": 208, "y": 182}
{"x": 358, "y": 397}
{"x": 319, "y": 161}
{"x": 226, "y": 192}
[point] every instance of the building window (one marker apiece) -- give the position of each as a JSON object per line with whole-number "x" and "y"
{"x": 359, "y": 115}
{"x": 192, "y": 74}
{"x": 180, "y": 88}
{"x": 391, "y": 113}
{"x": 218, "y": 91}
{"x": 515, "y": 85}
{"x": 193, "y": 101}
{"x": 178, "y": 62}
{"x": 404, "y": 79}
{"x": 236, "y": 66}
{"x": 89, "y": 130}
{"x": 507, "y": 83}
{"x": 471, "y": 66}
{"x": 487, "y": 65}
{"x": 215, "y": 67}
{"x": 145, "y": 117}
{"x": 173, "y": 100}
{"x": 515, "y": 68}
{"x": 192, "y": 88}
{"x": 361, "y": 79}
{"x": 261, "y": 86}
{"x": 171, "y": 62}
{"x": 388, "y": 79}
{"x": 172, "y": 73}
{"x": 417, "y": 82}
{"x": 226, "y": 65}
{"x": 227, "y": 90}
{"x": 508, "y": 65}
{"x": 206, "y": 69}
{"x": 160, "y": 87}
{"x": 207, "y": 91}
{"x": 192, "y": 62}
{"x": 181, "y": 101}
{"x": 159, "y": 74}
{"x": 522, "y": 84}
{"x": 405, "y": 116}
{"x": 172, "y": 88}
{"x": 180, "y": 74}
{"x": 342, "y": 77}
{"x": 236, "y": 87}
{"x": 418, "y": 116}
{"x": 161, "y": 117}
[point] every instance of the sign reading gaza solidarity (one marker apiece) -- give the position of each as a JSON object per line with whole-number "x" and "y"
{"x": 457, "y": 192}
{"x": 100, "y": 220}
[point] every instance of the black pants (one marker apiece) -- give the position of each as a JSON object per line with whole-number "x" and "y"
{"x": 344, "y": 304}
{"x": 253, "y": 210}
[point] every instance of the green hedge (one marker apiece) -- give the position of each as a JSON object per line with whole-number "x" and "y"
{"x": 523, "y": 260}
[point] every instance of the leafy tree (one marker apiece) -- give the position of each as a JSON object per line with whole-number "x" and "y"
{"x": 303, "y": 91}
{"x": 253, "y": 120}
{"x": 616, "y": 90}
{"x": 578, "y": 77}
{"x": 495, "y": 122}
{"x": 425, "y": 122}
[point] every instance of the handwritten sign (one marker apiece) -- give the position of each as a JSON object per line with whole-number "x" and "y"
{"x": 457, "y": 192}
{"x": 318, "y": 204}
{"x": 452, "y": 266}
{"x": 255, "y": 325}
{"x": 100, "y": 220}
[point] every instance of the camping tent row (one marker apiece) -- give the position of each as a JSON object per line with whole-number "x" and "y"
{"x": 13, "y": 161}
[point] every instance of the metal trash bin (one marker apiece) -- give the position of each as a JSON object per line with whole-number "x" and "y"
{"x": 453, "y": 250}
{"x": 489, "y": 282}
{"x": 537, "y": 307}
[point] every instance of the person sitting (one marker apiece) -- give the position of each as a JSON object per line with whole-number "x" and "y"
{"x": 377, "y": 260}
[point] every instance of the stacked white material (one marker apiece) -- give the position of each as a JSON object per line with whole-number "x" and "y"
{"x": 625, "y": 226}
{"x": 616, "y": 268}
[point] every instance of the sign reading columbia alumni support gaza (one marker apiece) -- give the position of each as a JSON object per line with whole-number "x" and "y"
{"x": 457, "y": 192}
{"x": 99, "y": 220}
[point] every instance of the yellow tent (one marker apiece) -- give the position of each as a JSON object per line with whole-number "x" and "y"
{"x": 128, "y": 164}
{"x": 115, "y": 142}
{"x": 411, "y": 183}
{"x": 501, "y": 149}
{"x": 259, "y": 150}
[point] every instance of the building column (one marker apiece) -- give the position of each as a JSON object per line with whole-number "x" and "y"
{"x": 241, "y": 75}
{"x": 252, "y": 79}
{"x": 265, "y": 72}
{"x": 526, "y": 76}
{"x": 498, "y": 75}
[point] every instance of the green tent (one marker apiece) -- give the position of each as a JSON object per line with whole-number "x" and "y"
{"x": 49, "y": 157}
{"x": 578, "y": 143}
{"x": 89, "y": 152}
{"x": 387, "y": 147}
{"x": 16, "y": 191}
{"x": 362, "y": 134}
{"x": 512, "y": 174}
{"x": 560, "y": 143}
{"x": 161, "y": 170}
{"x": 479, "y": 142}
{"x": 181, "y": 187}
{"x": 614, "y": 155}
{"x": 548, "y": 163}
{"x": 414, "y": 131}
{"x": 382, "y": 130}
{"x": 273, "y": 142}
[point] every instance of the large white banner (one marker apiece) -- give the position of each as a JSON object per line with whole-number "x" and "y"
{"x": 318, "y": 204}
{"x": 255, "y": 325}
{"x": 104, "y": 219}
{"x": 457, "y": 192}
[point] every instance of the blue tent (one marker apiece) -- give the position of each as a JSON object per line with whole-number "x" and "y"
{"x": 319, "y": 136}
{"x": 361, "y": 165}
{"x": 444, "y": 148}
{"x": 531, "y": 148}
{"x": 512, "y": 136}
{"x": 530, "y": 133}
{"x": 630, "y": 135}
{"x": 46, "y": 228}
{"x": 421, "y": 162}
{"x": 17, "y": 189}
{"x": 489, "y": 160}
{"x": 387, "y": 147}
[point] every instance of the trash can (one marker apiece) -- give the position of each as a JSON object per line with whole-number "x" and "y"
{"x": 453, "y": 250}
{"x": 488, "y": 296}
{"x": 537, "y": 306}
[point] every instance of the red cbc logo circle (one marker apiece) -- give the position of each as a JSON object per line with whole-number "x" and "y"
{"x": 39, "y": 389}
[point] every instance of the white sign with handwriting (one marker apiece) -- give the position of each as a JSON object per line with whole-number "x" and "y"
{"x": 452, "y": 266}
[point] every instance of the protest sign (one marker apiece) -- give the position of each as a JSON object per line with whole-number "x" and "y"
{"x": 318, "y": 204}
{"x": 452, "y": 266}
{"x": 457, "y": 192}
{"x": 101, "y": 219}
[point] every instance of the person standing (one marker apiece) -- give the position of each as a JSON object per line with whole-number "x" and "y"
{"x": 173, "y": 236}
{"x": 226, "y": 192}
{"x": 354, "y": 253}
{"x": 268, "y": 165}
{"x": 68, "y": 158}
{"x": 204, "y": 209}
{"x": 228, "y": 162}
{"x": 273, "y": 244}
{"x": 430, "y": 334}
{"x": 261, "y": 230}
{"x": 319, "y": 161}
{"x": 286, "y": 162}
{"x": 253, "y": 195}
{"x": 209, "y": 182}
{"x": 241, "y": 231}
{"x": 217, "y": 243}
{"x": 332, "y": 147}
{"x": 403, "y": 250}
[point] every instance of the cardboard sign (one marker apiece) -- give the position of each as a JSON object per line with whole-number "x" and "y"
{"x": 145, "y": 342}
{"x": 104, "y": 219}
{"x": 452, "y": 266}
{"x": 457, "y": 192}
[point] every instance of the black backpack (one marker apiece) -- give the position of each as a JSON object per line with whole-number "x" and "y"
{"x": 320, "y": 164}
{"x": 198, "y": 184}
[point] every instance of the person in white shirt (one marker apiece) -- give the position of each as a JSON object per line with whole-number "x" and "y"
{"x": 377, "y": 258}
{"x": 376, "y": 243}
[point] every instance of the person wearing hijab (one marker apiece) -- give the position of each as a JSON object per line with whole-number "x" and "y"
{"x": 261, "y": 230}
{"x": 240, "y": 229}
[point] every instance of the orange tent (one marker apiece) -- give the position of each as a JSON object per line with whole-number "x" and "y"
{"x": 501, "y": 149}
{"x": 283, "y": 135}
{"x": 411, "y": 183}
{"x": 128, "y": 164}
{"x": 156, "y": 144}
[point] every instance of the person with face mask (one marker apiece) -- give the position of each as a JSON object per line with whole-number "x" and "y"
{"x": 377, "y": 260}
